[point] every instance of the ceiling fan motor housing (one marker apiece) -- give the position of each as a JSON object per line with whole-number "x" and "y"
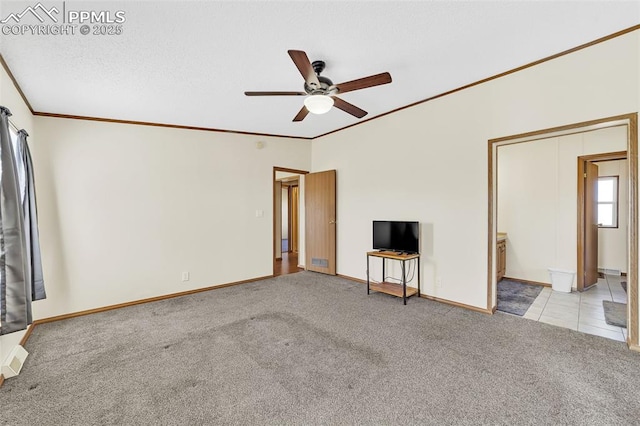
{"x": 318, "y": 66}
{"x": 325, "y": 83}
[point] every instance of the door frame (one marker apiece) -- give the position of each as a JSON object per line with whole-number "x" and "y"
{"x": 608, "y": 156}
{"x": 273, "y": 196}
{"x": 294, "y": 209}
{"x": 631, "y": 122}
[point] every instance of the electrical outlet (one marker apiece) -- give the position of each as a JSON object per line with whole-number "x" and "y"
{"x": 185, "y": 276}
{"x": 438, "y": 282}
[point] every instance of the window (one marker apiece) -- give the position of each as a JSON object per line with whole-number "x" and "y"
{"x": 14, "y": 137}
{"x": 608, "y": 202}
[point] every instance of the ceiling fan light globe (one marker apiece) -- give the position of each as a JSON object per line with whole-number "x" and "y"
{"x": 318, "y": 104}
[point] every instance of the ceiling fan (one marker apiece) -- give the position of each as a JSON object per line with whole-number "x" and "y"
{"x": 320, "y": 92}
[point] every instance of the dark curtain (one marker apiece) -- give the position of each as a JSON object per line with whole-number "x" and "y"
{"x": 28, "y": 195}
{"x": 21, "y": 279}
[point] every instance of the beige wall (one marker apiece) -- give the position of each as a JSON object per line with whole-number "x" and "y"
{"x": 612, "y": 242}
{"x": 429, "y": 162}
{"x": 10, "y": 98}
{"x": 537, "y": 199}
{"x": 125, "y": 209}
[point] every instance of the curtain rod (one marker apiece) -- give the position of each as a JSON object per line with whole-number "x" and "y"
{"x": 12, "y": 124}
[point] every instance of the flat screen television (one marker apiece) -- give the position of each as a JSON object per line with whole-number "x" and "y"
{"x": 396, "y": 236}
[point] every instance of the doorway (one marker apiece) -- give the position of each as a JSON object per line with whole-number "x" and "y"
{"x": 628, "y": 123}
{"x": 288, "y": 220}
{"x": 602, "y": 231}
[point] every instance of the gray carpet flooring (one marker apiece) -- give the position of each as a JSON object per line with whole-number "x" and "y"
{"x": 311, "y": 349}
{"x": 515, "y": 297}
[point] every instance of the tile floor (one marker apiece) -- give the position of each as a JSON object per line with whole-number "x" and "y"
{"x": 581, "y": 311}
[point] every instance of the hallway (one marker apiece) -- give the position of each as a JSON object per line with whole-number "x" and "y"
{"x": 288, "y": 264}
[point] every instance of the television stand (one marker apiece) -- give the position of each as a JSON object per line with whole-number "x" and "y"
{"x": 394, "y": 289}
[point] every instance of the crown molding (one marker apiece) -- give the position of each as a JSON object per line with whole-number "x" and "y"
{"x": 171, "y": 126}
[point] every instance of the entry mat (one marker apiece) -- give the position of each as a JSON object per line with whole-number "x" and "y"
{"x": 615, "y": 313}
{"x": 515, "y": 298}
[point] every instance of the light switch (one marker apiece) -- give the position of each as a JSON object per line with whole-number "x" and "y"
{"x": 259, "y": 213}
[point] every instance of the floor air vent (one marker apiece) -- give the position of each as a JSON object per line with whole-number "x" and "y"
{"x": 323, "y": 263}
{"x": 608, "y": 271}
{"x": 14, "y": 362}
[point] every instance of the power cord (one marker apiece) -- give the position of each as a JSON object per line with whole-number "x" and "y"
{"x": 410, "y": 273}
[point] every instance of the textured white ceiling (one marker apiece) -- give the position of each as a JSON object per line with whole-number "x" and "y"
{"x": 188, "y": 63}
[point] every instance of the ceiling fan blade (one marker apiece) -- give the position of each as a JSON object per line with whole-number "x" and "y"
{"x": 363, "y": 83}
{"x": 275, "y": 93}
{"x": 302, "y": 114}
{"x": 349, "y": 108}
{"x": 304, "y": 66}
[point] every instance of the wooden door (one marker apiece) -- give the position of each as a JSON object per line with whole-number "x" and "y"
{"x": 320, "y": 222}
{"x": 591, "y": 225}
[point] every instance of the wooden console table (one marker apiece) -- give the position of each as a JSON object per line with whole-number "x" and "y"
{"x": 398, "y": 290}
